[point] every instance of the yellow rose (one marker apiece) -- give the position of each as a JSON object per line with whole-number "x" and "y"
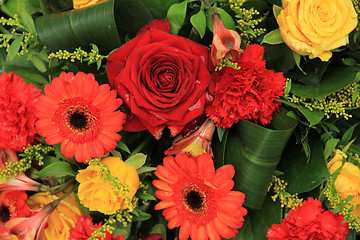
{"x": 314, "y": 27}
{"x": 347, "y": 182}
{"x": 99, "y": 195}
{"x": 85, "y": 3}
{"x": 62, "y": 219}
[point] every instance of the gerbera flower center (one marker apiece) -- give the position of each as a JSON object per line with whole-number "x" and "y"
{"x": 4, "y": 213}
{"x": 79, "y": 118}
{"x": 194, "y": 199}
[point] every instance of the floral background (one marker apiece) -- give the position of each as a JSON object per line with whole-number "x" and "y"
{"x": 170, "y": 119}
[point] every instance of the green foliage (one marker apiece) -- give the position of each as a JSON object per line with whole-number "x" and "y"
{"x": 176, "y": 16}
{"x": 255, "y": 151}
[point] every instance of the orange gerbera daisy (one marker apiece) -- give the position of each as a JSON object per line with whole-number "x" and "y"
{"x": 199, "y": 199}
{"x": 78, "y": 113}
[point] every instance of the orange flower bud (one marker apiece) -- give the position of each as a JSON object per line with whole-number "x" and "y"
{"x": 196, "y": 144}
{"x": 226, "y": 43}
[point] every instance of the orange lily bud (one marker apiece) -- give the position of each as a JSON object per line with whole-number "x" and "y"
{"x": 196, "y": 144}
{"x": 226, "y": 43}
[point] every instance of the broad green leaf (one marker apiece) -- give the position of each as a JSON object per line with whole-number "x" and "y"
{"x": 257, "y": 222}
{"x": 137, "y": 161}
{"x": 273, "y": 37}
{"x": 158, "y": 8}
{"x": 279, "y": 57}
{"x": 176, "y": 16}
{"x": 300, "y": 174}
{"x": 333, "y": 79}
{"x": 73, "y": 29}
{"x": 198, "y": 20}
{"x": 57, "y": 169}
{"x": 314, "y": 117}
{"x": 255, "y": 151}
{"x": 14, "y": 48}
{"x": 329, "y": 147}
{"x": 351, "y": 235}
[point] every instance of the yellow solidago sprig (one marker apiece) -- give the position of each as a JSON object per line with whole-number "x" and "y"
{"x": 227, "y": 63}
{"x": 343, "y": 187}
{"x": 80, "y": 55}
{"x": 247, "y": 21}
{"x": 286, "y": 199}
{"x": 19, "y": 35}
{"x": 31, "y": 153}
{"x": 335, "y": 104}
{"x": 343, "y": 206}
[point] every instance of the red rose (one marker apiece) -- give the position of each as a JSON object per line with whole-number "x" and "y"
{"x": 310, "y": 221}
{"x": 162, "y": 78}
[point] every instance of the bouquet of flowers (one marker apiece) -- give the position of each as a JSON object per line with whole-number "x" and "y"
{"x": 178, "y": 119}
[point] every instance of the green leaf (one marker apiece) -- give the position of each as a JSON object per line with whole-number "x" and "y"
{"x": 176, "y": 16}
{"x": 300, "y": 174}
{"x": 273, "y": 37}
{"x": 137, "y": 161}
{"x": 333, "y": 79}
{"x": 257, "y": 222}
{"x": 26, "y": 19}
{"x": 255, "y": 151}
{"x": 220, "y": 132}
{"x": 198, "y": 20}
{"x": 14, "y": 48}
{"x": 329, "y": 147}
{"x": 145, "y": 169}
{"x": 140, "y": 215}
{"x": 159, "y": 8}
{"x": 314, "y": 117}
{"x": 56, "y": 170}
{"x": 226, "y": 18}
{"x": 146, "y": 196}
{"x": 102, "y": 24}
{"x": 279, "y": 57}
{"x": 123, "y": 147}
{"x": 345, "y": 139}
{"x": 276, "y": 10}
{"x": 40, "y": 65}
{"x": 351, "y": 235}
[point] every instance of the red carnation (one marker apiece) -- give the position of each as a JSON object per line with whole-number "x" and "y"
{"x": 17, "y": 118}
{"x": 247, "y": 93}
{"x": 85, "y": 227}
{"x": 12, "y": 205}
{"x": 310, "y": 221}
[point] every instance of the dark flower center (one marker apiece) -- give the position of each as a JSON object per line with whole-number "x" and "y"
{"x": 194, "y": 199}
{"x": 78, "y": 120}
{"x": 4, "y": 213}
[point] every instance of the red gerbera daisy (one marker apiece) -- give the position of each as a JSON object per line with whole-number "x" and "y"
{"x": 247, "y": 93}
{"x": 199, "y": 199}
{"x": 310, "y": 221}
{"x": 17, "y": 118}
{"x": 85, "y": 227}
{"x": 78, "y": 113}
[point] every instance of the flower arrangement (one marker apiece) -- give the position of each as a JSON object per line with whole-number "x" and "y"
{"x": 172, "y": 119}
